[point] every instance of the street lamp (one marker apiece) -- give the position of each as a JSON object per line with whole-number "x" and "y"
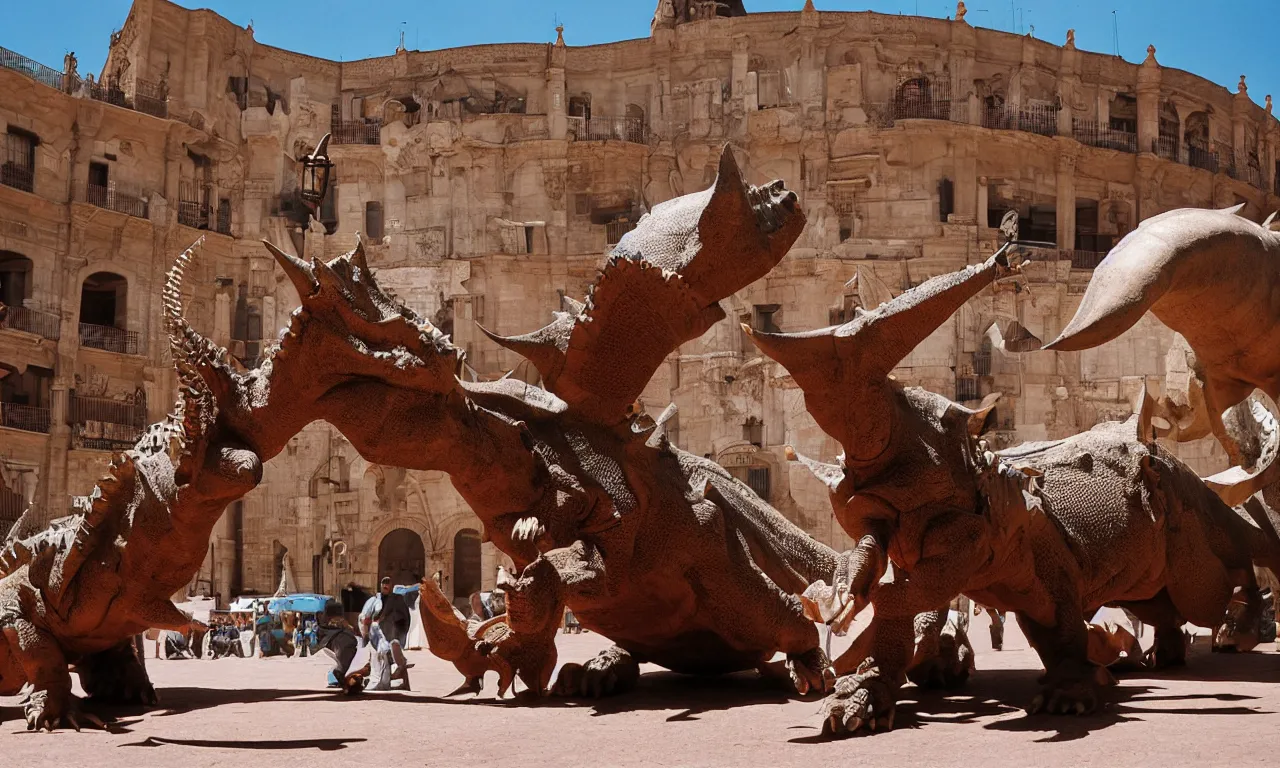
{"x": 314, "y": 182}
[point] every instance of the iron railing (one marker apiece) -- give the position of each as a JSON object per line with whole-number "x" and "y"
{"x": 115, "y": 196}
{"x": 193, "y": 203}
{"x": 31, "y": 68}
{"x": 1226, "y": 158}
{"x": 45, "y": 324}
{"x": 1098, "y": 135}
{"x": 151, "y": 97}
{"x": 223, "y": 223}
{"x": 84, "y": 409}
{"x": 1202, "y": 157}
{"x": 982, "y": 362}
{"x": 968, "y": 388}
{"x": 147, "y": 96}
{"x": 356, "y": 132}
{"x": 1167, "y": 147}
{"x": 28, "y": 418}
{"x": 1038, "y": 119}
{"x": 920, "y": 109}
{"x": 110, "y": 339}
{"x": 614, "y": 230}
{"x": 629, "y": 129}
{"x": 18, "y": 169}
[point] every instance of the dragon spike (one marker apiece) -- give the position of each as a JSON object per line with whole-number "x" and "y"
{"x": 358, "y": 257}
{"x": 799, "y": 353}
{"x": 1267, "y": 224}
{"x": 572, "y": 305}
{"x": 326, "y": 278}
{"x": 538, "y": 347}
{"x": 1234, "y": 210}
{"x": 299, "y": 272}
{"x": 830, "y": 474}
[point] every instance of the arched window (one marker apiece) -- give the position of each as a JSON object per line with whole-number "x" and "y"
{"x": 104, "y": 312}
{"x": 103, "y": 300}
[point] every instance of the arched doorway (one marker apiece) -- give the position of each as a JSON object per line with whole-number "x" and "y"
{"x": 466, "y": 567}
{"x": 402, "y": 557}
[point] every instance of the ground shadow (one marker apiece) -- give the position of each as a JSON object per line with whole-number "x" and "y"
{"x": 180, "y": 701}
{"x": 323, "y": 745}
{"x": 999, "y": 693}
{"x": 691, "y": 694}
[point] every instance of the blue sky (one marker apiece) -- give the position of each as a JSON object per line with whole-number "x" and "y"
{"x": 1219, "y": 44}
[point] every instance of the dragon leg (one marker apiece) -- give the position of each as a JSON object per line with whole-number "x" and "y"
{"x": 49, "y": 703}
{"x": 612, "y": 671}
{"x": 116, "y": 676}
{"x": 1170, "y": 646}
{"x": 868, "y": 697}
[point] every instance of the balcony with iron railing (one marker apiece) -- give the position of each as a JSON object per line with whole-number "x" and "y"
{"x": 193, "y": 204}
{"x": 43, "y": 324}
{"x": 130, "y": 199}
{"x": 110, "y": 339}
{"x": 27, "y": 418}
{"x": 367, "y": 132}
{"x": 628, "y": 129}
{"x": 1166, "y": 147}
{"x": 101, "y": 423}
{"x": 1098, "y": 135}
{"x": 1040, "y": 120}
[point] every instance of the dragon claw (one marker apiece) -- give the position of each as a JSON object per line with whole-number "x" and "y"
{"x": 861, "y": 700}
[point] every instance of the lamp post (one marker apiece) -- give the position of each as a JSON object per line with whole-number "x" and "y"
{"x": 313, "y": 184}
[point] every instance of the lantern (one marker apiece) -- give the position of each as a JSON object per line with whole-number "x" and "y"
{"x": 314, "y": 183}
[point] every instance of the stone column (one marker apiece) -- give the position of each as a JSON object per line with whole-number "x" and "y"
{"x": 1148, "y": 102}
{"x": 983, "y": 201}
{"x": 963, "y": 94}
{"x": 1241, "y": 106}
{"x": 557, "y": 101}
{"x": 1066, "y": 202}
{"x": 1068, "y": 83}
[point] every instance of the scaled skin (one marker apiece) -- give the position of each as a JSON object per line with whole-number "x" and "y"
{"x": 1211, "y": 276}
{"x": 659, "y": 550}
{"x": 1048, "y": 531}
{"x": 78, "y": 592}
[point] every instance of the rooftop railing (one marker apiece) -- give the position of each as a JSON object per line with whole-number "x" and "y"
{"x": 1039, "y": 119}
{"x": 109, "y": 339}
{"x": 44, "y": 324}
{"x": 145, "y": 95}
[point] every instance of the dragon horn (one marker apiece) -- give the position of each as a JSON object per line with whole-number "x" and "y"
{"x": 358, "y": 256}
{"x": 800, "y": 353}
{"x": 299, "y": 272}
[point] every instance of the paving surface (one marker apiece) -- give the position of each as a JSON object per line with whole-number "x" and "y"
{"x": 1222, "y": 710}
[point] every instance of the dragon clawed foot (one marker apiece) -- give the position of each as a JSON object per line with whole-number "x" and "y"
{"x": 811, "y": 672}
{"x": 612, "y": 671}
{"x": 863, "y": 700}
{"x": 47, "y": 710}
{"x": 1074, "y": 695}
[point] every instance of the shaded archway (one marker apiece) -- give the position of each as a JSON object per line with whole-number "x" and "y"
{"x": 402, "y": 556}
{"x": 104, "y": 299}
{"x": 15, "y": 278}
{"x": 466, "y": 567}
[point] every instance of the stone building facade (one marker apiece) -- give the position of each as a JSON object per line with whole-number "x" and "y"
{"x": 492, "y": 179}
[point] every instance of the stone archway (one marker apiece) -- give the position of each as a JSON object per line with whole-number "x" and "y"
{"x": 466, "y": 567}
{"x": 402, "y": 556}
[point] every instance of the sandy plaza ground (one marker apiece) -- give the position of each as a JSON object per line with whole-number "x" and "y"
{"x": 276, "y": 711}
